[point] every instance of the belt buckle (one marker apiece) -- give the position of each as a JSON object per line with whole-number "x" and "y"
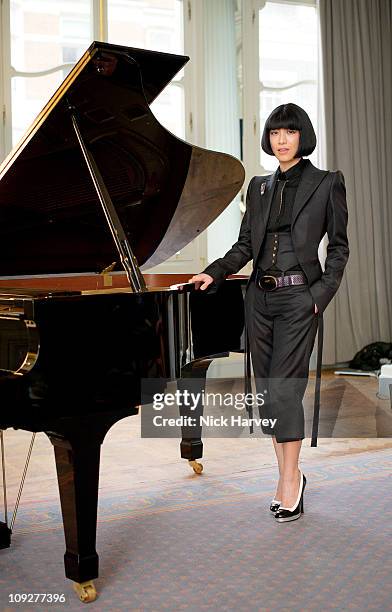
{"x": 266, "y": 284}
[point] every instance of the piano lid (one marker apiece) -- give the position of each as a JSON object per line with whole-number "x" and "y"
{"x": 165, "y": 190}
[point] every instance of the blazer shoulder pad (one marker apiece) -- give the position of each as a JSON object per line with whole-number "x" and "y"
{"x": 336, "y": 174}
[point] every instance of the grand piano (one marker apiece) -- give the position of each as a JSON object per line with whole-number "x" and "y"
{"x": 98, "y": 184}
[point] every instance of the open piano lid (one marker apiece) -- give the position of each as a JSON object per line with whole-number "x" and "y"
{"x": 165, "y": 191}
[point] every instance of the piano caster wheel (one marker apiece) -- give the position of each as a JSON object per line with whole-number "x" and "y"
{"x": 85, "y": 591}
{"x": 197, "y": 467}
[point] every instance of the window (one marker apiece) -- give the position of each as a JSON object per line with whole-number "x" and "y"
{"x": 156, "y": 25}
{"x": 287, "y": 61}
{"x": 282, "y": 36}
{"x": 47, "y": 36}
{"x": 43, "y": 39}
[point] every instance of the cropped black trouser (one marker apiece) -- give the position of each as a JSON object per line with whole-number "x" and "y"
{"x": 282, "y": 327}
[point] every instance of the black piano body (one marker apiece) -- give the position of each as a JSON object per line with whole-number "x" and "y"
{"x": 98, "y": 180}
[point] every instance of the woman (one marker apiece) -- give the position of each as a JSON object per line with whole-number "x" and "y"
{"x": 287, "y": 214}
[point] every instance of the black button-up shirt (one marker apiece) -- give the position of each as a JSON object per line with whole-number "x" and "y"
{"x": 283, "y": 199}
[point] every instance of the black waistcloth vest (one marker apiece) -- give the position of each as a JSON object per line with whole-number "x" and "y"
{"x": 277, "y": 253}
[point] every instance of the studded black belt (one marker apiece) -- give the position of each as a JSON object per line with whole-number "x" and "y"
{"x": 268, "y": 282}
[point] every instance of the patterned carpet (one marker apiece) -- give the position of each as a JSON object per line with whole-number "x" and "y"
{"x": 212, "y": 545}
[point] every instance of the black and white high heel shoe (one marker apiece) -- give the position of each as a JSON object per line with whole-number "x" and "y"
{"x": 284, "y": 515}
{"x": 275, "y": 505}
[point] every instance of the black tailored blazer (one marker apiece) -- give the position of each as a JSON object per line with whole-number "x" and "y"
{"x": 320, "y": 206}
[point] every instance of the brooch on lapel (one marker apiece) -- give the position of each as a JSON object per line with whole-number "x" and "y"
{"x": 262, "y": 187}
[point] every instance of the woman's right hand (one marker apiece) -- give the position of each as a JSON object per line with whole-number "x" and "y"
{"x": 202, "y": 281}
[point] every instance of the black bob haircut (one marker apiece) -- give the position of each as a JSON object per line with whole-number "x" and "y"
{"x": 291, "y": 117}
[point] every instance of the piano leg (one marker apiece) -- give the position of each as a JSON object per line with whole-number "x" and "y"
{"x": 77, "y": 461}
{"x": 193, "y": 379}
{"x": 5, "y": 535}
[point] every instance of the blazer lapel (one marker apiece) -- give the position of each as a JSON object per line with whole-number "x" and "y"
{"x": 263, "y": 206}
{"x": 310, "y": 180}
{"x": 270, "y": 183}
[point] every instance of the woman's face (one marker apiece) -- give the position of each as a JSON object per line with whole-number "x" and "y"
{"x": 284, "y": 143}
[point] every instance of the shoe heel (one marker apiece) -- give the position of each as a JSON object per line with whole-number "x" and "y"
{"x": 303, "y": 494}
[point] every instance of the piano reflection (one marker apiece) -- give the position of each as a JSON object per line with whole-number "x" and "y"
{"x": 97, "y": 183}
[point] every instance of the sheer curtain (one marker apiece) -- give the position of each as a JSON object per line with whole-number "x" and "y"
{"x": 356, "y": 53}
{"x": 222, "y": 109}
